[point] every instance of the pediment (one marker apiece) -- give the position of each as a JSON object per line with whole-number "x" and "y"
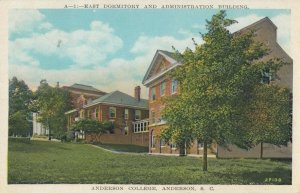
{"x": 161, "y": 63}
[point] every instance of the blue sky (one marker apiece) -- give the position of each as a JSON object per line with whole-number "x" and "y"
{"x": 107, "y": 48}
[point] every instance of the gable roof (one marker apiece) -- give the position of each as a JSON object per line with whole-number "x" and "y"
{"x": 265, "y": 19}
{"x": 120, "y": 98}
{"x": 84, "y": 87}
{"x": 147, "y": 79}
{"x": 169, "y": 56}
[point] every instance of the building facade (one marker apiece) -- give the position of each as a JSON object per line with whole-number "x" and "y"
{"x": 160, "y": 86}
{"x": 82, "y": 94}
{"x": 129, "y": 115}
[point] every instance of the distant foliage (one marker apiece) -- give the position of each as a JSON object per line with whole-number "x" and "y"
{"x": 20, "y": 99}
{"x": 51, "y": 103}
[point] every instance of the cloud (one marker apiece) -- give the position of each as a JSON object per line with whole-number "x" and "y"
{"x": 83, "y": 47}
{"x": 243, "y": 22}
{"x": 26, "y": 20}
{"x": 162, "y": 43}
{"x": 282, "y": 21}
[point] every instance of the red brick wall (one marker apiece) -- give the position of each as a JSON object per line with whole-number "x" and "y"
{"x": 141, "y": 139}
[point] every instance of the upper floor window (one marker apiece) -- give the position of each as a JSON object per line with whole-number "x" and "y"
{"x": 152, "y": 117}
{"x": 126, "y": 113}
{"x": 96, "y": 112}
{"x": 138, "y": 114}
{"x": 174, "y": 86}
{"x": 266, "y": 76}
{"x": 153, "y": 94}
{"x": 112, "y": 112}
{"x": 162, "y": 88}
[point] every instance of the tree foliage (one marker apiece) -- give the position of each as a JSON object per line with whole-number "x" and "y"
{"x": 222, "y": 98}
{"x": 51, "y": 103}
{"x": 93, "y": 126}
{"x": 20, "y": 98}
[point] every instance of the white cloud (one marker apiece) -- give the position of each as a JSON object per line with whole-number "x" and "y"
{"x": 243, "y": 22}
{"x": 26, "y": 20}
{"x": 83, "y": 47}
{"x": 147, "y": 44}
{"x": 282, "y": 21}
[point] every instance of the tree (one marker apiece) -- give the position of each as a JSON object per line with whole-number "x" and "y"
{"x": 51, "y": 103}
{"x": 20, "y": 98}
{"x": 220, "y": 87}
{"x": 92, "y": 126}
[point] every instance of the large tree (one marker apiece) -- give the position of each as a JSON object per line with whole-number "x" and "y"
{"x": 51, "y": 103}
{"x": 20, "y": 98}
{"x": 222, "y": 94}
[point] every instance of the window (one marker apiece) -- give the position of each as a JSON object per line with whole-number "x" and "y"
{"x": 112, "y": 112}
{"x": 153, "y": 141}
{"x": 126, "y": 114}
{"x": 126, "y": 130}
{"x": 200, "y": 144}
{"x": 96, "y": 113}
{"x": 152, "y": 117}
{"x": 162, "y": 142}
{"x": 174, "y": 86}
{"x": 153, "y": 94}
{"x": 138, "y": 114}
{"x": 162, "y": 88}
{"x": 266, "y": 76}
{"x": 173, "y": 145}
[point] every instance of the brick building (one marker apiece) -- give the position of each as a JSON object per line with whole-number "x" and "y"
{"x": 161, "y": 86}
{"x": 82, "y": 94}
{"x": 130, "y": 115}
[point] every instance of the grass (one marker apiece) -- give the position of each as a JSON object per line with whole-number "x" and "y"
{"x": 55, "y": 163}
{"x": 124, "y": 148}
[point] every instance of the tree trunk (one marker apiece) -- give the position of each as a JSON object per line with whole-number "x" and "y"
{"x": 261, "y": 150}
{"x": 181, "y": 151}
{"x": 49, "y": 135}
{"x": 204, "y": 156}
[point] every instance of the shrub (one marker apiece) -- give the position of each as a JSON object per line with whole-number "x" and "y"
{"x": 19, "y": 139}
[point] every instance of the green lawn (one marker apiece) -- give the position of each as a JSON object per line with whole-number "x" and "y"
{"x": 124, "y": 148}
{"x": 54, "y": 162}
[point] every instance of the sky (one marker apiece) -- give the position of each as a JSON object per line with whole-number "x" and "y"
{"x": 111, "y": 49}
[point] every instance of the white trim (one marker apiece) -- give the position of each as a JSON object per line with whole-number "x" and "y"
{"x": 153, "y": 62}
{"x": 148, "y": 81}
{"x": 116, "y": 104}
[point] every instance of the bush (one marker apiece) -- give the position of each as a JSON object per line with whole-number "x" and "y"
{"x": 19, "y": 139}
{"x": 68, "y": 136}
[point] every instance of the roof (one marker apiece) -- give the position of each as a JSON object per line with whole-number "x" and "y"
{"x": 120, "y": 98}
{"x": 265, "y": 19}
{"x": 170, "y": 56}
{"x": 84, "y": 87}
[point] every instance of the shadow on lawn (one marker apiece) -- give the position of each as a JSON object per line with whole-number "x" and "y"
{"x": 35, "y": 147}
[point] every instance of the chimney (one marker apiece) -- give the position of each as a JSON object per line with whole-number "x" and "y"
{"x": 137, "y": 93}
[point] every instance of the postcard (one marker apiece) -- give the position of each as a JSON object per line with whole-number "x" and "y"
{"x": 157, "y": 96}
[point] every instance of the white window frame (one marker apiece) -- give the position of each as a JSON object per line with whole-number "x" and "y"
{"x": 135, "y": 113}
{"x": 126, "y": 130}
{"x": 164, "y": 143}
{"x": 162, "y": 88}
{"x": 153, "y": 94}
{"x": 174, "y": 84}
{"x": 126, "y": 113}
{"x": 153, "y": 145}
{"x": 200, "y": 145}
{"x": 115, "y": 111}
